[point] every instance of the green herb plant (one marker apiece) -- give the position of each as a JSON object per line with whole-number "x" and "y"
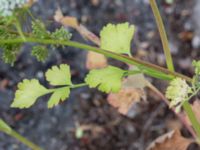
{"x": 115, "y": 44}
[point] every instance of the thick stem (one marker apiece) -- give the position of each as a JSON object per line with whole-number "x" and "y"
{"x": 151, "y": 68}
{"x": 163, "y": 35}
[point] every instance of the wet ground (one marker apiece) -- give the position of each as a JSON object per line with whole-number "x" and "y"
{"x": 55, "y": 128}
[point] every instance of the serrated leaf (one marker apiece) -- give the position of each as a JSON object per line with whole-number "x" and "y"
{"x": 59, "y": 95}
{"x": 59, "y": 75}
{"x": 117, "y": 38}
{"x": 107, "y": 80}
{"x": 28, "y": 92}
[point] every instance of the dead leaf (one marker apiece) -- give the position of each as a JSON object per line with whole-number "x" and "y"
{"x": 125, "y": 99}
{"x": 172, "y": 140}
{"x": 196, "y": 110}
{"x": 95, "y": 60}
{"x": 88, "y": 34}
{"x": 72, "y": 22}
{"x": 66, "y": 20}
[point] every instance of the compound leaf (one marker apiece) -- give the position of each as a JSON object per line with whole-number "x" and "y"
{"x": 59, "y": 75}
{"x": 117, "y": 38}
{"x": 40, "y": 52}
{"x": 27, "y": 93}
{"x": 59, "y": 95}
{"x": 106, "y": 80}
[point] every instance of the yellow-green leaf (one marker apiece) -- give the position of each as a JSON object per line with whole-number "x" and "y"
{"x": 59, "y": 75}
{"x": 107, "y": 80}
{"x": 117, "y": 38}
{"x": 59, "y": 95}
{"x": 28, "y": 92}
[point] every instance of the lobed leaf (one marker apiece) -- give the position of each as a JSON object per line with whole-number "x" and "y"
{"x": 59, "y": 75}
{"x": 59, "y": 95}
{"x": 28, "y": 92}
{"x": 117, "y": 38}
{"x": 106, "y": 80}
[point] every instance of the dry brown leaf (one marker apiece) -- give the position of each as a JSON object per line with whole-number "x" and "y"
{"x": 73, "y": 23}
{"x": 172, "y": 140}
{"x": 88, "y": 34}
{"x": 196, "y": 109}
{"x": 125, "y": 99}
{"x": 95, "y": 60}
{"x": 66, "y": 20}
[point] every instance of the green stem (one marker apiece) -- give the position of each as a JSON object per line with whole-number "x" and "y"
{"x": 78, "y": 85}
{"x": 70, "y": 86}
{"x": 19, "y": 29}
{"x": 151, "y": 68}
{"x": 163, "y": 35}
{"x": 188, "y": 109}
{"x": 4, "y": 127}
{"x": 24, "y": 140}
{"x": 132, "y": 72}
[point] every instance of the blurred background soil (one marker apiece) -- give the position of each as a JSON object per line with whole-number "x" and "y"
{"x": 55, "y": 128}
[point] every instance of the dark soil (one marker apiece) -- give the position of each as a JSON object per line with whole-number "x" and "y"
{"x": 55, "y": 128}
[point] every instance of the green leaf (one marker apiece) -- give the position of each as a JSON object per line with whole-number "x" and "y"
{"x": 59, "y": 75}
{"x": 39, "y": 30}
{"x": 106, "y": 80}
{"x": 28, "y": 92}
{"x": 10, "y": 50}
{"x": 59, "y": 95}
{"x": 40, "y": 52}
{"x": 61, "y": 34}
{"x": 117, "y": 38}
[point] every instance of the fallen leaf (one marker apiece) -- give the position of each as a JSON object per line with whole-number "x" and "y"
{"x": 88, "y": 34}
{"x": 125, "y": 99}
{"x": 172, "y": 140}
{"x": 95, "y": 61}
{"x": 66, "y": 20}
